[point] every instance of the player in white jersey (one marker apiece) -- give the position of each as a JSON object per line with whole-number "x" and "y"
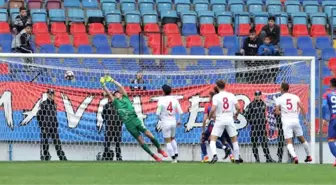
{"x": 289, "y": 106}
{"x": 167, "y": 108}
{"x": 226, "y": 108}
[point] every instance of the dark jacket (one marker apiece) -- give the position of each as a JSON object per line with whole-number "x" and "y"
{"x": 266, "y": 50}
{"x": 255, "y": 112}
{"x": 22, "y": 40}
{"x": 21, "y": 22}
{"x": 250, "y": 47}
{"x": 274, "y": 34}
{"x": 110, "y": 115}
{"x": 47, "y": 114}
{"x": 136, "y": 81}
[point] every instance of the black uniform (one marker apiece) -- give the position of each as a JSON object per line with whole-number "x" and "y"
{"x": 21, "y": 22}
{"x": 113, "y": 129}
{"x": 250, "y": 47}
{"x": 47, "y": 120}
{"x": 256, "y": 116}
{"x": 138, "y": 81}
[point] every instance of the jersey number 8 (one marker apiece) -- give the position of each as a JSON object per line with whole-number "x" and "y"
{"x": 225, "y": 103}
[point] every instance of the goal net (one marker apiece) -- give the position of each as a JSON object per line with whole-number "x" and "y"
{"x": 84, "y": 133}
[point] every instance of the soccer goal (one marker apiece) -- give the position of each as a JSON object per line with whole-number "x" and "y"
{"x": 83, "y": 131}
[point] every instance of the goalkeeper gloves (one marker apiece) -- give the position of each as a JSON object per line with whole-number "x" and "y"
{"x": 105, "y": 79}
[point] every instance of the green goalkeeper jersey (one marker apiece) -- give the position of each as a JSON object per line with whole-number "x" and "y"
{"x": 125, "y": 109}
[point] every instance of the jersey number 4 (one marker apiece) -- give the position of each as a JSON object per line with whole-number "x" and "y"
{"x": 225, "y": 103}
{"x": 289, "y": 104}
{"x": 170, "y": 107}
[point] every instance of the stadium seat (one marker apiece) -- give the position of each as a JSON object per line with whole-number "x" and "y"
{"x": 159, "y": 51}
{"x": 292, "y": 6}
{"x": 85, "y": 49}
{"x": 164, "y": 5}
{"x": 3, "y": 15}
{"x": 133, "y": 17}
{"x": 322, "y": 43}
{"x": 139, "y": 51}
{"x": 206, "y": 17}
{"x": 151, "y": 28}
{"x": 236, "y": 6}
{"x": 326, "y": 80}
{"x": 284, "y": 30}
{"x": 38, "y": 15}
{"x": 168, "y": 16}
{"x": 96, "y": 28}
{"x": 281, "y": 18}
{"x": 34, "y": 4}
{"x": 89, "y": 3}
{"x": 225, "y": 30}
{"x": 332, "y": 64}
{"x": 119, "y": 41}
{"x": 318, "y": 21}
{"x": 189, "y": 29}
{"x": 328, "y": 53}
{"x": 77, "y": 28}
{"x": 310, "y": 6}
{"x": 211, "y": 40}
{"x": 149, "y": 17}
{"x": 194, "y": 40}
{"x": 201, "y": 5}
{"x": 146, "y": 5}
{"x": 291, "y": 52}
{"x": 113, "y": 17}
{"x": 127, "y": 5}
{"x": 104, "y": 50}
{"x": 154, "y": 41}
{"x": 15, "y": 4}
{"x": 41, "y": 39}
{"x": 174, "y": 40}
{"x": 286, "y": 42}
{"x": 80, "y": 39}
{"x": 224, "y": 21}
{"x": 53, "y": 4}
{"x": 207, "y": 29}
{"x": 328, "y": 6}
{"x": 230, "y": 42}
{"x": 179, "y": 50}
{"x": 47, "y": 48}
{"x": 6, "y": 40}
{"x": 66, "y": 49}
{"x": 182, "y": 6}
{"x": 242, "y": 24}
{"x": 137, "y": 41}
{"x": 57, "y": 15}
{"x": 94, "y": 16}
{"x": 300, "y": 24}
{"x": 58, "y": 27}
{"x": 304, "y": 42}
{"x": 260, "y": 19}
{"x": 61, "y": 39}
{"x": 217, "y": 5}
{"x": 40, "y": 27}
{"x": 115, "y": 28}
{"x": 100, "y": 40}
{"x": 310, "y": 52}
{"x": 273, "y": 6}
{"x": 76, "y": 15}
{"x": 133, "y": 29}
{"x": 108, "y": 5}
{"x": 130, "y": 64}
{"x": 197, "y": 50}
{"x": 254, "y": 6}
{"x": 170, "y": 29}
{"x": 189, "y": 17}
{"x": 71, "y": 4}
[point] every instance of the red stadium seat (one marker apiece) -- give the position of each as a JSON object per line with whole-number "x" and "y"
{"x": 4, "y": 27}
{"x": 225, "y": 30}
{"x": 244, "y": 29}
{"x": 58, "y": 27}
{"x": 4, "y": 69}
{"x": 174, "y": 40}
{"x": 133, "y": 29}
{"x": 160, "y": 51}
{"x": 207, "y": 29}
{"x": 62, "y": 39}
{"x": 284, "y": 30}
{"x": 171, "y": 28}
{"x": 326, "y": 80}
{"x": 35, "y": 4}
{"x": 77, "y": 28}
{"x": 115, "y": 29}
{"x": 80, "y": 39}
{"x": 258, "y": 28}
{"x": 154, "y": 40}
{"x": 40, "y": 27}
{"x": 151, "y": 28}
{"x": 194, "y": 40}
{"x": 300, "y": 30}
{"x": 318, "y": 30}
{"x": 96, "y": 28}
{"x": 332, "y": 64}
{"x": 211, "y": 40}
{"x": 42, "y": 38}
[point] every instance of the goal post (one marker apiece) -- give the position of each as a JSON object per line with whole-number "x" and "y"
{"x": 25, "y": 78}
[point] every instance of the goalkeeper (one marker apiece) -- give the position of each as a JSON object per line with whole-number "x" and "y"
{"x": 129, "y": 117}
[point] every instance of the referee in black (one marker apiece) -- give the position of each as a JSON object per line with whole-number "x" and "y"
{"x": 255, "y": 113}
{"x": 113, "y": 129}
{"x": 47, "y": 120}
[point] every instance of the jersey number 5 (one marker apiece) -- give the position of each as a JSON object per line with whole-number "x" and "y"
{"x": 170, "y": 107}
{"x": 225, "y": 103}
{"x": 289, "y": 104}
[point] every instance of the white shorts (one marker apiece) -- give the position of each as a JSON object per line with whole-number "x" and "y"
{"x": 168, "y": 130}
{"x": 290, "y": 127}
{"x": 219, "y": 128}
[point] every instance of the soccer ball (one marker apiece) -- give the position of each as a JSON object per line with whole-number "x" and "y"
{"x": 69, "y": 75}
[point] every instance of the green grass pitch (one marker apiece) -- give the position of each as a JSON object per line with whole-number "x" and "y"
{"x": 94, "y": 173}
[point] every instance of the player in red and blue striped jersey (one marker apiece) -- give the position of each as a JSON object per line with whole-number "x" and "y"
{"x": 329, "y": 116}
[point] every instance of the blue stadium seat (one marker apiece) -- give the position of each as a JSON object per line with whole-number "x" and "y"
{"x": 146, "y": 5}
{"x": 197, "y": 50}
{"x": 112, "y": 64}
{"x": 170, "y": 65}
{"x": 108, "y": 5}
{"x": 236, "y": 6}
{"x": 57, "y": 15}
{"x": 6, "y": 40}
{"x": 232, "y": 51}
{"x": 48, "y": 48}
{"x": 93, "y": 13}
{"x": 13, "y": 12}
{"x": 310, "y": 52}
{"x": 299, "y": 18}
{"x": 217, "y": 5}
{"x": 178, "y": 50}
{"x": 3, "y": 15}
{"x": 100, "y": 40}
{"x": 291, "y": 52}
{"x": 71, "y": 4}
{"x": 201, "y": 5}
{"x": 85, "y": 49}
{"x": 192, "y": 68}
{"x": 206, "y": 17}
{"x": 66, "y": 49}
{"x": 224, "y": 17}
{"x": 119, "y": 41}
{"x": 328, "y": 53}
{"x": 281, "y": 18}
{"x": 304, "y": 42}
{"x": 136, "y": 41}
{"x": 132, "y": 17}
{"x": 224, "y": 64}
{"x": 3, "y": 3}
{"x": 323, "y": 42}
{"x": 215, "y": 50}
{"x": 38, "y": 15}
{"x": 254, "y": 6}
{"x": 168, "y": 14}
{"x": 90, "y": 3}
{"x": 189, "y": 29}
{"x": 318, "y": 18}
{"x": 76, "y": 15}
{"x": 127, "y": 5}
{"x": 149, "y": 17}
{"x": 113, "y": 17}
{"x": 260, "y": 17}
{"x": 230, "y": 42}
{"x": 141, "y": 51}
{"x": 130, "y": 64}
{"x": 189, "y": 17}
{"x": 286, "y": 42}
{"x": 273, "y": 6}
{"x": 104, "y": 50}
{"x": 205, "y": 64}
{"x": 182, "y": 6}
{"x": 292, "y": 6}
{"x": 310, "y": 6}
{"x": 328, "y": 6}
{"x": 164, "y": 5}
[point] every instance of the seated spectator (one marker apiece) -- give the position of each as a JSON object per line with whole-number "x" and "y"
{"x": 251, "y": 44}
{"x": 271, "y": 30}
{"x": 138, "y": 80}
{"x": 21, "y": 21}
{"x": 21, "y": 41}
{"x": 267, "y": 49}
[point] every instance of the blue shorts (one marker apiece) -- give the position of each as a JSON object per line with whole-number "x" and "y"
{"x": 206, "y": 135}
{"x": 332, "y": 130}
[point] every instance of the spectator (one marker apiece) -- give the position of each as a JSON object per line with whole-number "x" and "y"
{"x": 21, "y": 41}
{"x": 267, "y": 49}
{"x": 21, "y": 21}
{"x": 138, "y": 80}
{"x": 251, "y": 44}
{"x": 271, "y": 30}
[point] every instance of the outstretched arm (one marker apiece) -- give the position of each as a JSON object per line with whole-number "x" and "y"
{"x": 121, "y": 88}
{"x": 108, "y": 92}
